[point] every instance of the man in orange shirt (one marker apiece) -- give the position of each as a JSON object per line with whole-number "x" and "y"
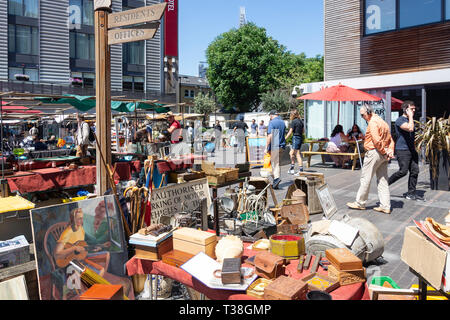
{"x": 379, "y": 147}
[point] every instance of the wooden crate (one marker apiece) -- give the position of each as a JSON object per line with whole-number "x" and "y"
{"x": 230, "y": 173}
{"x": 216, "y": 179}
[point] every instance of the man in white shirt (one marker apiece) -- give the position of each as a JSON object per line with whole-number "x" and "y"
{"x": 82, "y": 136}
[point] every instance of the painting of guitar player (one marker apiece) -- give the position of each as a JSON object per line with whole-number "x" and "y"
{"x": 78, "y": 244}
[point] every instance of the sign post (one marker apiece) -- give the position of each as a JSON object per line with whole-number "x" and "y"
{"x": 103, "y": 92}
{"x": 106, "y": 35}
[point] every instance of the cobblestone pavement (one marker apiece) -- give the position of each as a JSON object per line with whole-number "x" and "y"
{"x": 344, "y": 184}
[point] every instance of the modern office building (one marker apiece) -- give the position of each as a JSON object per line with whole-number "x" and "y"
{"x": 389, "y": 48}
{"x": 52, "y": 42}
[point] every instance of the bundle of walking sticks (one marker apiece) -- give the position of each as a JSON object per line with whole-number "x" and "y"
{"x": 138, "y": 203}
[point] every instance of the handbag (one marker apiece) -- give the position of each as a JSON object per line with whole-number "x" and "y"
{"x": 268, "y": 265}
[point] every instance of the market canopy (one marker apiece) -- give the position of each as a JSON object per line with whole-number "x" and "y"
{"x": 86, "y": 103}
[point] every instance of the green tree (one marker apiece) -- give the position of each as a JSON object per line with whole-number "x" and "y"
{"x": 280, "y": 100}
{"x": 204, "y": 104}
{"x": 303, "y": 70}
{"x": 243, "y": 63}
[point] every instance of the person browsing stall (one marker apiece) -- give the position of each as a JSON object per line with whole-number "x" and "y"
{"x": 296, "y": 130}
{"x": 174, "y": 129}
{"x": 407, "y": 156}
{"x": 379, "y": 147}
{"x": 275, "y": 145}
{"x": 82, "y": 136}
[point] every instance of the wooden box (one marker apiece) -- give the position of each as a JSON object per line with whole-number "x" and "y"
{"x": 286, "y": 288}
{"x": 346, "y": 277}
{"x": 154, "y": 253}
{"x": 296, "y": 213}
{"x": 287, "y": 228}
{"x": 103, "y": 292}
{"x": 176, "y": 258}
{"x": 194, "y": 241}
{"x": 256, "y": 289}
{"x": 216, "y": 179}
{"x": 317, "y": 281}
{"x": 343, "y": 259}
{"x": 230, "y": 173}
{"x": 231, "y": 271}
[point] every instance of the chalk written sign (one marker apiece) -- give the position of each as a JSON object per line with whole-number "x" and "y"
{"x": 136, "y": 16}
{"x": 129, "y": 35}
{"x": 171, "y": 200}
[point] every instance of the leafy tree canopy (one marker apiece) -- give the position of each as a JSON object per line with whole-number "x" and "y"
{"x": 243, "y": 64}
{"x": 204, "y": 103}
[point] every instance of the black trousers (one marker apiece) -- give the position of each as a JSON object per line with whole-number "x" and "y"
{"x": 408, "y": 161}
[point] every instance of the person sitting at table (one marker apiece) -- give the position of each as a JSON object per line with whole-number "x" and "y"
{"x": 355, "y": 133}
{"x": 337, "y": 144}
{"x": 39, "y": 145}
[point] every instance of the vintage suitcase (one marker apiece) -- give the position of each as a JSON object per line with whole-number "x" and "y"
{"x": 103, "y": 292}
{"x": 154, "y": 253}
{"x": 194, "y": 241}
{"x": 287, "y": 246}
{"x": 268, "y": 265}
{"x": 343, "y": 259}
{"x": 176, "y": 258}
{"x": 286, "y": 288}
{"x": 231, "y": 271}
{"x": 346, "y": 277}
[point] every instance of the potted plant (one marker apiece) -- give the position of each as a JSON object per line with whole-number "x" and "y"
{"x": 434, "y": 137}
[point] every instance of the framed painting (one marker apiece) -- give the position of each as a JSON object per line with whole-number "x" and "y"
{"x": 327, "y": 201}
{"x": 77, "y": 243}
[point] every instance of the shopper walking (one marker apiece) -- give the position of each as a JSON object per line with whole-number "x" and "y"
{"x": 240, "y": 130}
{"x": 296, "y": 130}
{"x": 217, "y": 135}
{"x": 407, "y": 156}
{"x": 276, "y": 143}
{"x": 82, "y": 136}
{"x": 379, "y": 148}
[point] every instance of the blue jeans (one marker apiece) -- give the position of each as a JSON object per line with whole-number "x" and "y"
{"x": 296, "y": 142}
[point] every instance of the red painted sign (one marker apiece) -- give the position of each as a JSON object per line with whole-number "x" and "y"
{"x": 171, "y": 29}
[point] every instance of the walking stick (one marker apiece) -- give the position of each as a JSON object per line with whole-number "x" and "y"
{"x": 113, "y": 187}
{"x": 359, "y": 153}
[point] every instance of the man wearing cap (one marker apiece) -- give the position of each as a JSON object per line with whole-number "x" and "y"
{"x": 174, "y": 128}
{"x": 275, "y": 145}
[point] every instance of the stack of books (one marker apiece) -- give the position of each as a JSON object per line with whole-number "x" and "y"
{"x": 152, "y": 248}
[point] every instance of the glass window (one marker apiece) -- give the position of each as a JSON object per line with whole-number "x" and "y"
{"x": 315, "y": 120}
{"x": 72, "y": 44}
{"x": 447, "y": 9}
{"x": 88, "y": 12}
{"x": 82, "y": 47}
{"x": 30, "y": 8}
{"x": 89, "y": 79}
{"x": 186, "y": 93}
{"x": 192, "y": 94}
{"x": 417, "y": 12}
{"x": 11, "y": 38}
{"x": 34, "y": 41}
{"x": 15, "y": 7}
{"x": 139, "y": 84}
{"x": 32, "y": 73}
{"x": 380, "y": 16}
{"x": 134, "y": 52}
{"x": 13, "y": 72}
{"x": 127, "y": 83}
{"x": 91, "y": 47}
{"x": 23, "y": 43}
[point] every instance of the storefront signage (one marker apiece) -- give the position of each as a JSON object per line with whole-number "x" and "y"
{"x": 171, "y": 29}
{"x": 129, "y": 35}
{"x": 136, "y": 16}
{"x": 171, "y": 200}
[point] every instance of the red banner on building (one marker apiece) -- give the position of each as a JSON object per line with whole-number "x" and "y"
{"x": 171, "y": 29}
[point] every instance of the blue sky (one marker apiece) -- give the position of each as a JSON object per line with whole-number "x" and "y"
{"x": 296, "y": 24}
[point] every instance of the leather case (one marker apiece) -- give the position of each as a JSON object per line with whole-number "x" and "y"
{"x": 268, "y": 265}
{"x": 286, "y": 288}
{"x": 343, "y": 259}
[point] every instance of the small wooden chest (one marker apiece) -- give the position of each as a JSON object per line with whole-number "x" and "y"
{"x": 343, "y": 259}
{"x": 176, "y": 258}
{"x": 154, "y": 253}
{"x": 286, "y": 288}
{"x": 194, "y": 241}
{"x": 231, "y": 271}
{"x": 346, "y": 277}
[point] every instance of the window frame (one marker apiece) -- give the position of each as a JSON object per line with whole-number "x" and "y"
{"x": 22, "y": 6}
{"x": 82, "y": 12}
{"x": 443, "y": 19}
{"x": 90, "y": 49}
{"x": 35, "y": 45}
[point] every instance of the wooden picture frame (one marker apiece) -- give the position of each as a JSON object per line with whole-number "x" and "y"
{"x": 255, "y": 150}
{"x": 327, "y": 201}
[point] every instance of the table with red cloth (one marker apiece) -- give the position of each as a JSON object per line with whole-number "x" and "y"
{"x": 124, "y": 169}
{"x": 181, "y": 163}
{"x": 357, "y": 291}
{"x": 51, "y": 179}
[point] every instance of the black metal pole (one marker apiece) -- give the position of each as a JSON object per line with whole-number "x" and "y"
{"x": 1, "y": 137}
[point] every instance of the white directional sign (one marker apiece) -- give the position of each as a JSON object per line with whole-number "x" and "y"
{"x": 136, "y": 16}
{"x": 145, "y": 32}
